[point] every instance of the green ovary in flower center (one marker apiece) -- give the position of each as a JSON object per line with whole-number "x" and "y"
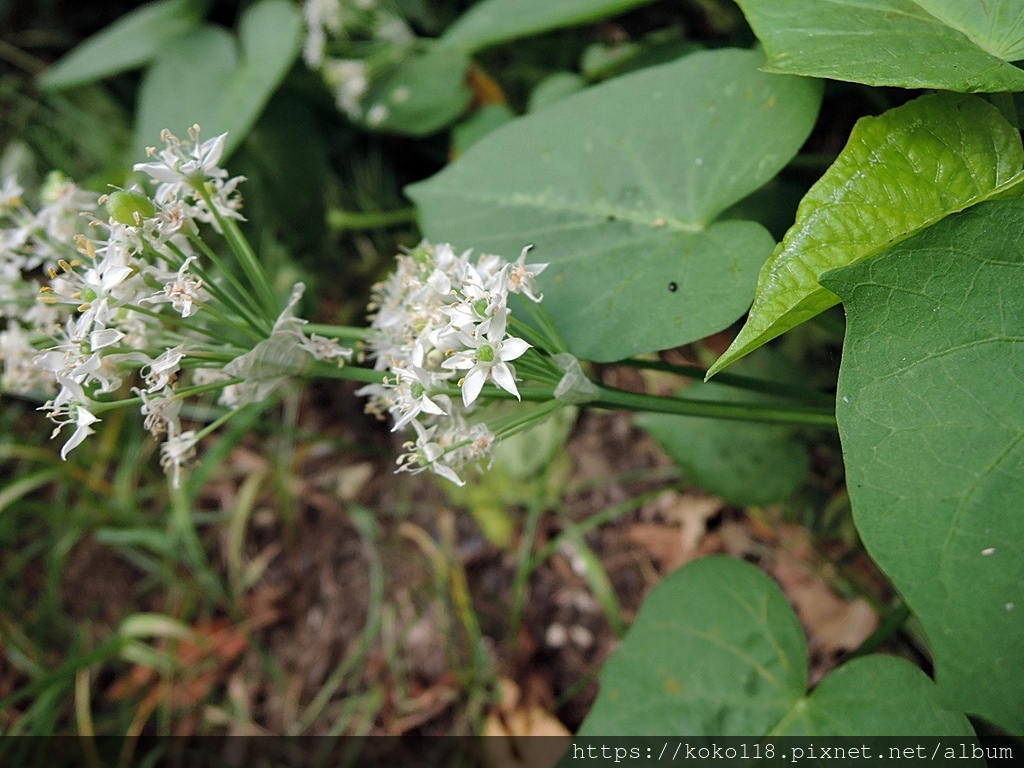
{"x": 485, "y": 354}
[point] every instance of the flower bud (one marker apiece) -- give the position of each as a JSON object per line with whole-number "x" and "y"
{"x": 127, "y": 207}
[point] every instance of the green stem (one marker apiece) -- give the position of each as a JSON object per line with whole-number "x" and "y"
{"x": 734, "y": 380}
{"x": 766, "y": 414}
{"x": 341, "y": 221}
{"x": 250, "y": 313}
{"x": 246, "y": 257}
{"x": 337, "y": 331}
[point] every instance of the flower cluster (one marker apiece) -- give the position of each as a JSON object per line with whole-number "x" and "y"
{"x": 441, "y": 320}
{"x": 350, "y": 40}
{"x": 131, "y": 301}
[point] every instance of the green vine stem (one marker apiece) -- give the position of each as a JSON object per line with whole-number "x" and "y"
{"x": 617, "y": 399}
{"x": 735, "y": 380}
{"x": 342, "y": 221}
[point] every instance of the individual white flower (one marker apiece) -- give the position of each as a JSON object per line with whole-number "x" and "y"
{"x": 70, "y": 406}
{"x": 161, "y": 411}
{"x": 161, "y": 372}
{"x": 177, "y": 451}
{"x": 189, "y": 162}
{"x": 427, "y": 453}
{"x": 412, "y": 395}
{"x": 83, "y": 428}
{"x": 182, "y": 289}
{"x": 489, "y": 360}
{"x": 325, "y": 349}
{"x": 521, "y": 277}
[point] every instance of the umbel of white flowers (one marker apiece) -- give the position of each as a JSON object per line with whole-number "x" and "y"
{"x": 133, "y": 299}
{"x": 440, "y": 319}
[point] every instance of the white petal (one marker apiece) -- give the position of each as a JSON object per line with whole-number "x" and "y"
{"x": 211, "y": 151}
{"x": 446, "y": 472}
{"x": 472, "y": 385}
{"x": 512, "y": 348}
{"x": 429, "y": 406}
{"x": 104, "y": 338}
{"x": 504, "y": 378}
{"x": 158, "y": 172}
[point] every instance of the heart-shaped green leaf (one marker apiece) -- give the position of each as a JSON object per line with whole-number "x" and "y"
{"x": 130, "y": 42}
{"x": 497, "y": 21}
{"x": 618, "y": 187}
{"x": 931, "y": 414}
{"x": 222, "y": 83}
{"x": 955, "y": 45}
{"x": 716, "y": 650}
{"x": 899, "y": 173}
{"x": 426, "y": 91}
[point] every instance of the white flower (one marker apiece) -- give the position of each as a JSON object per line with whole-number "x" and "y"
{"x": 178, "y": 450}
{"x": 161, "y": 372}
{"x": 188, "y": 162}
{"x": 183, "y": 290}
{"x": 412, "y": 396}
{"x": 521, "y": 277}
{"x": 324, "y": 349}
{"x": 489, "y": 360}
{"x": 83, "y": 421}
{"x": 428, "y": 453}
{"x": 161, "y": 411}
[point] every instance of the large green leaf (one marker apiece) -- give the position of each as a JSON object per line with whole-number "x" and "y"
{"x": 956, "y": 45}
{"x": 931, "y": 415}
{"x": 899, "y": 173}
{"x": 739, "y": 462}
{"x": 131, "y": 41}
{"x": 618, "y": 187}
{"x": 222, "y": 83}
{"x": 426, "y": 91}
{"x": 717, "y": 651}
{"x": 497, "y": 21}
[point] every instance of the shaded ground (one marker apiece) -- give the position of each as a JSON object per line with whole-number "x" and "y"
{"x": 377, "y": 606}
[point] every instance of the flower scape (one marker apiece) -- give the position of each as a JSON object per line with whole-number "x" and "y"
{"x": 138, "y": 304}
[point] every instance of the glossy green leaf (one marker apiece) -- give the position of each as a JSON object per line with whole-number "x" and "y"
{"x": 423, "y": 94}
{"x": 955, "y": 45}
{"x": 716, "y": 650}
{"x": 619, "y": 186}
{"x": 497, "y": 21}
{"x": 740, "y": 462}
{"x": 874, "y": 696}
{"x": 996, "y": 26}
{"x": 221, "y": 82}
{"x": 131, "y": 41}
{"x": 899, "y": 173}
{"x": 931, "y": 415}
